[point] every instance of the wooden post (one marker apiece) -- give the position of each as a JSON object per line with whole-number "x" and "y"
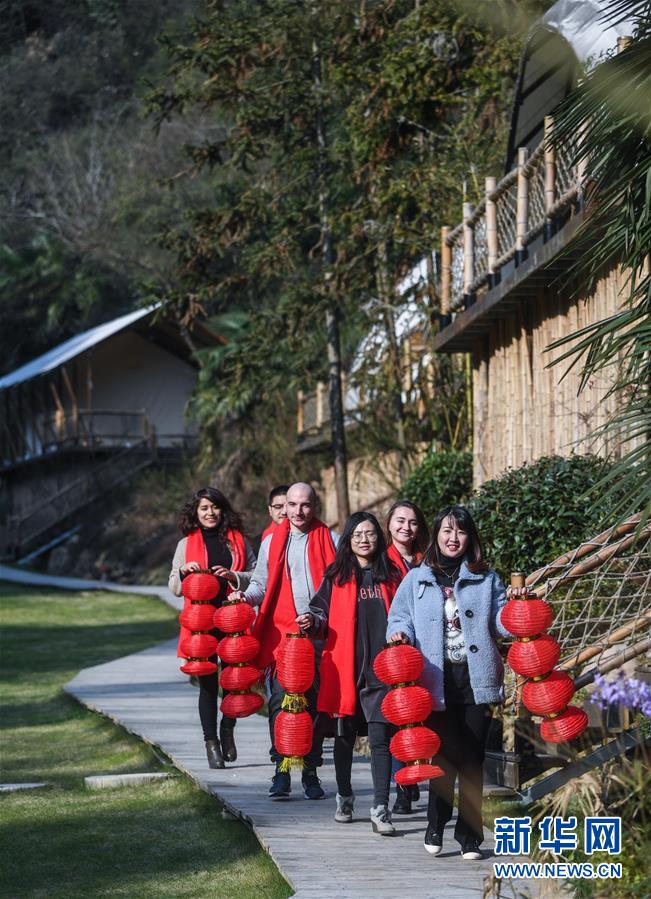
{"x": 522, "y": 214}
{"x": 320, "y": 394}
{"x": 468, "y": 255}
{"x": 300, "y": 413}
{"x": 512, "y": 710}
{"x": 491, "y": 230}
{"x": 550, "y": 177}
{"x": 446, "y": 276}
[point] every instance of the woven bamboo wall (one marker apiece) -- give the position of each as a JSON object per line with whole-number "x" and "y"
{"x": 524, "y": 410}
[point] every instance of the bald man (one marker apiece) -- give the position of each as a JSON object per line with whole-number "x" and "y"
{"x": 288, "y": 573}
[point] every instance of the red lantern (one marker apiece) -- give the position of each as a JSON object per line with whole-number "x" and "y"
{"x": 242, "y": 704}
{"x": 293, "y": 735}
{"x": 200, "y": 585}
{"x": 406, "y": 705}
{"x": 239, "y": 677}
{"x": 550, "y": 695}
{"x": 295, "y": 661}
{"x": 412, "y": 743}
{"x": 234, "y": 617}
{"x": 527, "y": 617}
{"x": 197, "y": 616}
{"x": 415, "y": 772}
{"x": 198, "y": 646}
{"x": 566, "y": 726}
{"x": 530, "y": 658}
{"x": 198, "y": 667}
{"x": 399, "y": 663}
{"x": 238, "y": 649}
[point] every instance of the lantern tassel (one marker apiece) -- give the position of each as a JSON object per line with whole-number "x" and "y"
{"x": 294, "y": 702}
{"x": 291, "y": 761}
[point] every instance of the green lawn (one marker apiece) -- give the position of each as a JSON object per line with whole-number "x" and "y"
{"x": 164, "y": 840}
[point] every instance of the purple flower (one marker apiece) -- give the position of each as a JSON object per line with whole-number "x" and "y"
{"x": 632, "y": 693}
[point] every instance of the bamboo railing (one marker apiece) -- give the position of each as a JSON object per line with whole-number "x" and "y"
{"x": 512, "y": 213}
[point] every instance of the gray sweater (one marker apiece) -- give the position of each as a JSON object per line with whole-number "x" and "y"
{"x": 174, "y": 582}
{"x": 297, "y": 567}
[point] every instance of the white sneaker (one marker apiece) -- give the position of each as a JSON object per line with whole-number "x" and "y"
{"x": 345, "y": 808}
{"x": 381, "y": 820}
{"x": 471, "y": 852}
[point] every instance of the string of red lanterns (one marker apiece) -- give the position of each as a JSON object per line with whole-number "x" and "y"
{"x": 407, "y": 705}
{"x": 534, "y": 655}
{"x": 234, "y": 617}
{"x": 199, "y": 589}
{"x": 293, "y": 724}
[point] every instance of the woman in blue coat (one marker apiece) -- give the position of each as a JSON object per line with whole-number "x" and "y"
{"x": 449, "y": 608}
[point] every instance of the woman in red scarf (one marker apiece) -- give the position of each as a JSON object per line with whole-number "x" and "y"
{"x": 407, "y": 535}
{"x": 213, "y": 540}
{"x": 350, "y": 609}
{"x": 407, "y": 540}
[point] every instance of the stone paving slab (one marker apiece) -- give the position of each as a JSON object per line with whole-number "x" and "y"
{"x": 148, "y": 695}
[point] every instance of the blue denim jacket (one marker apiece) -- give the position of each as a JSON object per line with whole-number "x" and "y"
{"x": 418, "y": 610}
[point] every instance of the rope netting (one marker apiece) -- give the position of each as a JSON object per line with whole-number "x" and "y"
{"x": 601, "y": 594}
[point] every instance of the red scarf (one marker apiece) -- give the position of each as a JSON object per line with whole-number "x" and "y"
{"x": 195, "y": 551}
{"x": 394, "y": 555}
{"x": 337, "y": 692}
{"x": 277, "y": 613}
{"x": 269, "y": 530}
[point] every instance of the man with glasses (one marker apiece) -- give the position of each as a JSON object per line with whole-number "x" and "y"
{"x": 288, "y": 572}
{"x": 277, "y": 514}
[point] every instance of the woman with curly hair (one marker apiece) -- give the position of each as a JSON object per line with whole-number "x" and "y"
{"x": 212, "y": 540}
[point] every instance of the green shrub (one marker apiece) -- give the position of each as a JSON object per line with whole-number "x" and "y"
{"x": 530, "y": 515}
{"x": 443, "y": 478}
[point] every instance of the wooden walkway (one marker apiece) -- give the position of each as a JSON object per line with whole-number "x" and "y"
{"x": 148, "y": 695}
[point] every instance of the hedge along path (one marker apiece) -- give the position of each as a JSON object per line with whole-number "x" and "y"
{"x": 147, "y": 695}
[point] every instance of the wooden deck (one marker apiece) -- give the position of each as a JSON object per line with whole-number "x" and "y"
{"x": 148, "y": 695}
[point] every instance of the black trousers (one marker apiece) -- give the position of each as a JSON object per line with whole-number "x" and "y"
{"x": 379, "y": 735}
{"x": 314, "y": 758}
{"x": 463, "y": 730}
{"x": 208, "y": 701}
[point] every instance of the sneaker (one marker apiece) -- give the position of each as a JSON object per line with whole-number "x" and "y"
{"x": 402, "y": 805}
{"x": 312, "y": 785}
{"x": 471, "y": 851}
{"x": 381, "y": 820}
{"x": 345, "y": 808}
{"x": 281, "y": 785}
{"x": 433, "y": 841}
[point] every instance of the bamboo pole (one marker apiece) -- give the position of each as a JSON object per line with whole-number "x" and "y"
{"x": 592, "y": 562}
{"x": 550, "y": 174}
{"x": 615, "y": 662}
{"x": 584, "y": 548}
{"x": 446, "y": 272}
{"x": 522, "y": 209}
{"x": 491, "y": 226}
{"x": 468, "y": 249}
{"x": 616, "y": 636}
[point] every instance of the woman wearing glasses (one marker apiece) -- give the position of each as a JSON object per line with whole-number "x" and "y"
{"x": 350, "y": 610}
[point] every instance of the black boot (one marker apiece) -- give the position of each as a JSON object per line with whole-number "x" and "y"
{"x": 402, "y": 805}
{"x": 227, "y": 738}
{"x": 214, "y": 753}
